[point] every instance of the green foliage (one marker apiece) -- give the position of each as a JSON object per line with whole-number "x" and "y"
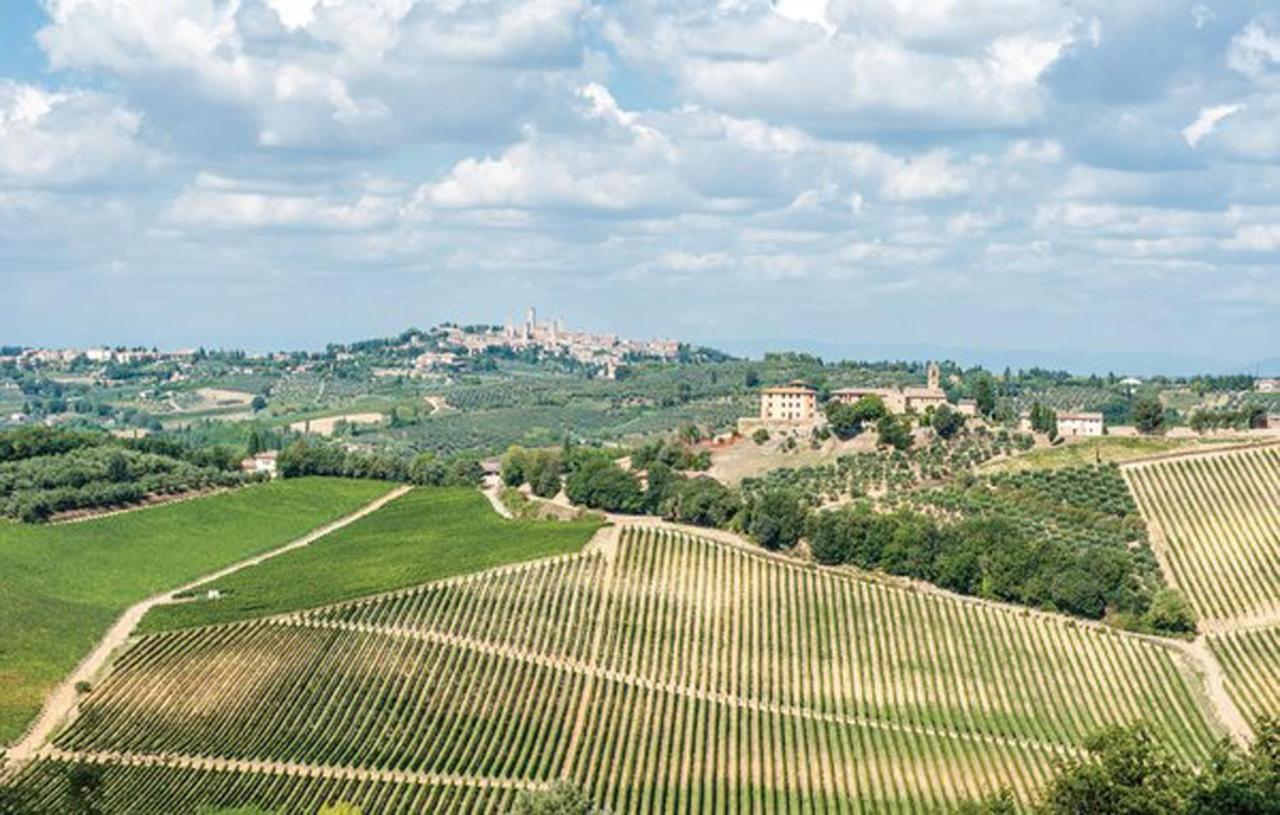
{"x": 1044, "y": 420}
{"x": 304, "y": 458}
{"x": 984, "y": 393}
{"x": 1170, "y": 611}
{"x": 776, "y": 519}
{"x": 428, "y": 534}
{"x": 893, "y": 432}
{"x": 842, "y": 420}
{"x": 561, "y": 799}
{"x": 701, "y": 501}
{"x": 1148, "y": 414}
{"x": 760, "y": 436}
{"x": 61, "y": 586}
{"x": 35, "y": 486}
{"x": 600, "y": 484}
{"x": 946, "y": 422}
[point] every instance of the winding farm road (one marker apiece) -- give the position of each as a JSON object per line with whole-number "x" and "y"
{"x": 60, "y": 705}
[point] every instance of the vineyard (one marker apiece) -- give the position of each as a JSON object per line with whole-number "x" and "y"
{"x": 1217, "y": 530}
{"x": 659, "y": 672}
{"x": 1251, "y": 660}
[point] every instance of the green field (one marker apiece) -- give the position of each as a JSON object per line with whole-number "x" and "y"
{"x": 426, "y": 535}
{"x": 61, "y": 586}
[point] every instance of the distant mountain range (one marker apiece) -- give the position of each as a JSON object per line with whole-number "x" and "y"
{"x": 1138, "y": 363}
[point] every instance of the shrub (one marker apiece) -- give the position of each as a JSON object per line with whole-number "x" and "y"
{"x": 760, "y": 436}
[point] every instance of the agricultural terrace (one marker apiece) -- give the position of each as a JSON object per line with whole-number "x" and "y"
{"x": 1216, "y": 528}
{"x": 1251, "y": 660}
{"x": 659, "y": 672}
{"x": 61, "y": 586}
{"x": 428, "y": 534}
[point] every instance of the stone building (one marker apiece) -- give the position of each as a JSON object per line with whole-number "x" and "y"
{"x": 904, "y": 400}
{"x": 1080, "y": 424}
{"x": 794, "y": 402}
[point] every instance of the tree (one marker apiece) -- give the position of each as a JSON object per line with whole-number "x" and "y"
{"x": 760, "y": 436}
{"x": 562, "y": 799}
{"x": 259, "y": 403}
{"x": 984, "y": 394}
{"x": 843, "y": 420}
{"x": 1126, "y": 772}
{"x": 600, "y": 484}
{"x": 1148, "y": 414}
{"x": 513, "y": 466}
{"x": 869, "y": 409}
{"x": 947, "y": 423}
{"x": 893, "y": 432}
{"x": 776, "y": 519}
{"x": 1044, "y": 420}
{"x": 117, "y": 468}
{"x": 1170, "y": 611}
{"x": 256, "y": 443}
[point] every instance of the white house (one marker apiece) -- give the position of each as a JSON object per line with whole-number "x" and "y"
{"x": 1079, "y": 424}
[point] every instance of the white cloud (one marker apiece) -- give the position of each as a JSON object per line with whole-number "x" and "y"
{"x": 57, "y": 138}
{"x": 322, "y": 75}
{"x": 1255, "y": 50}
{"x": 871, "y": 66}
{"x": 1255, "y": 238}
{"x": 1206, "y": 121}
{"x": 227, "y": 203}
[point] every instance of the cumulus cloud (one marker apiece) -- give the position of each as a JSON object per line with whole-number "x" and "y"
{"x": 55, "y": 138}
{"x": 356, "y": 76}
{"x": 867, "y": 67}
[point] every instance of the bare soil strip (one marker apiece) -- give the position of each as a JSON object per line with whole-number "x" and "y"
{"x": 289, "y": 768}
{"x": 61, "y": 705}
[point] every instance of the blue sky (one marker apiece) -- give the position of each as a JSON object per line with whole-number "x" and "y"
{"x": 1097, "y": 177}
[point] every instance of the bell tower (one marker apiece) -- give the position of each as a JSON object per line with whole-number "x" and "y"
{"x": 934, "y": 374}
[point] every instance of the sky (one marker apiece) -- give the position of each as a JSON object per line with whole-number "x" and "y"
{"x": 1098, "y": 178}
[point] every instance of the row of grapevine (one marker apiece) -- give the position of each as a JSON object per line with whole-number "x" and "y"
{"x": 167, "y": 790}
{"x": 1251, "y": 660}
{"x": 672, "y": 675}
{"x": 1220, "y": 519}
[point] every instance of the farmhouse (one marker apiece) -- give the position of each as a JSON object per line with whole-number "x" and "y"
{"x": 794, "y": 402}
{"x": 907, "y": 400}
{"x": 1079, "y": 424}
{"x": 1267, "y": 386}
{"x": 261, "y": 463}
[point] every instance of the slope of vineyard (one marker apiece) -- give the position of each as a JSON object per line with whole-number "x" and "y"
{"x": 661, "y": 673}
{"x": 1216, "y": 528}
{"x": 1251, "y": 660}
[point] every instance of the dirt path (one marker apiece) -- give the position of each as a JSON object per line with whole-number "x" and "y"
{"x": 1215, "y": 686}
{"x": 60, "y": 705}
{"x": 493, "y": 491}
{"x": 289, "y": 768}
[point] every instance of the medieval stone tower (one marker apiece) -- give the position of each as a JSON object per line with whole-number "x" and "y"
{"x": 934, "y": 374}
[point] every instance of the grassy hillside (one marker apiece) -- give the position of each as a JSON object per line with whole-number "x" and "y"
{"x": 61, "y": 586}
{"x": 428, "y": 534}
